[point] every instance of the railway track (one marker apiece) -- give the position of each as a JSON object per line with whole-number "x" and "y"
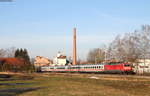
{"x": 99, "y": 75}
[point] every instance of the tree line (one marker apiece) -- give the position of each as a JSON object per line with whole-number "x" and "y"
{"x": 13, "y": 59}
{"x": 127, "y": 47}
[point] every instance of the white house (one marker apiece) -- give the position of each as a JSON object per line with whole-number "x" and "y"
{"x": 142, "y": 66}
{"x": 59, "y": 60}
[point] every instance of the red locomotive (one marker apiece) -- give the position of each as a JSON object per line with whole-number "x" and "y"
{"x": 118, "y": 67}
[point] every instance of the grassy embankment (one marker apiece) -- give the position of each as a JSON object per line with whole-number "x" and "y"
{"x": 72, "y": 85}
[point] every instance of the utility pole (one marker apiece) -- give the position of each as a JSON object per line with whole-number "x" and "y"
{"x": 74, "y": 47}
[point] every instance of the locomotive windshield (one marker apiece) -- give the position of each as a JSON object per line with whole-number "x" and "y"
{"x": 113, "y": 63}
{"x": 126, "y": 65}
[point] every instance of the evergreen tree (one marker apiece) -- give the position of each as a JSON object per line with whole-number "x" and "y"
{"x": 17, "y": 53}
{"x": 26, "y": 56}
{"x": 23, "y": 54}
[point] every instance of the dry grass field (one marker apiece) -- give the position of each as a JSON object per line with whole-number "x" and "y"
{"x": 52, "y": 84}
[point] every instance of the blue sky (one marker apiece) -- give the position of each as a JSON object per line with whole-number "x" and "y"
{"x": 45, "y": 27}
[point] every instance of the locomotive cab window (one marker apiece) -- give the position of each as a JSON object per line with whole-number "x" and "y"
{"x": 126, "y": 65}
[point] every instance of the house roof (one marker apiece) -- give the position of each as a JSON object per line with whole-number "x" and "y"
{"x": 12, "y": 61}
{"x": 61, "y": 57}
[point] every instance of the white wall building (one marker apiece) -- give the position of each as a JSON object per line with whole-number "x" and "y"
{"x": 59, "y": 60}
{"x": 142, "y": 66}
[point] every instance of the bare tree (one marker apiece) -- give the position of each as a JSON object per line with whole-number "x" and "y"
{"x": 2, "y": 53}
{"x": 96, "y": 55}
{"x": 125, "y": 48}
{"x": 8, "y": 52}
{"x": 144, "y": 43}
{"x": 78, "y": 60}
{"x": 131, "y": 46}
{"x": 115, "y": 50}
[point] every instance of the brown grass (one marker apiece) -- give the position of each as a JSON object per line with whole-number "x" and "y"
{"x": 67, "y": 84}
